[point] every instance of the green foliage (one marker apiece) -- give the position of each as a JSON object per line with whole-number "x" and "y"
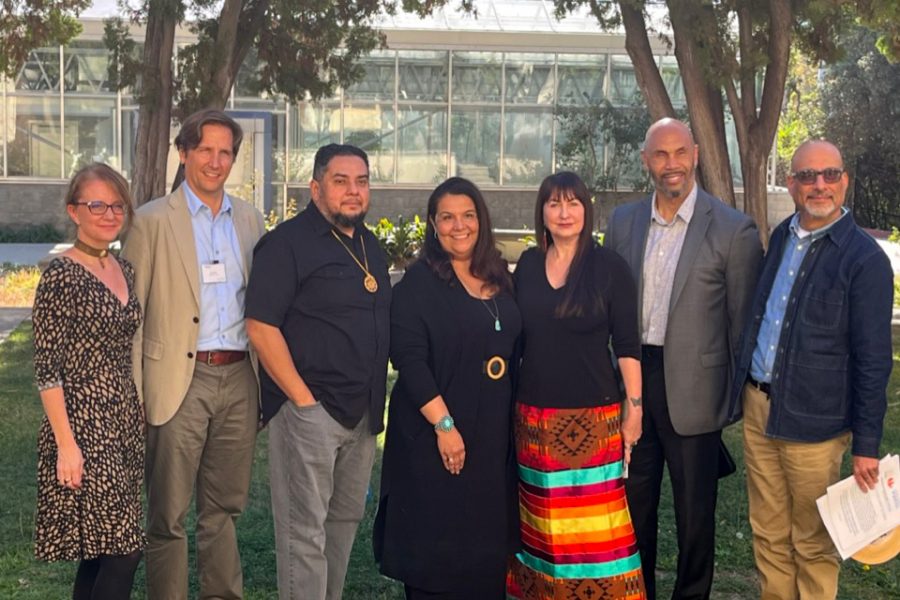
{"x": 859, "y": 96}
{"x": 31, "y": 234}
{"x": 896, "y": 291}
{"x": 802, "y": 117}
{"x": 294, "y": 44}
{"x": 290, "y": 210}
{"x": 17, "y": 284}
{"x": 28, "y": 24}
{"x": 401, "y": 241}
{"x": 125, "y": 62}
{"x": 586, "y": 132}
{"x": 883, "y": 16}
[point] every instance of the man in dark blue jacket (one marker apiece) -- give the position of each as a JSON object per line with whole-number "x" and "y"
{"x": 812, "y": 372}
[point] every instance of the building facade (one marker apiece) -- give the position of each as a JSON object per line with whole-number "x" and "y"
{"x": 450, "y": 95}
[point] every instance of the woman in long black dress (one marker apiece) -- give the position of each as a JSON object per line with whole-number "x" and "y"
{"x": 573, "y": 439}
{"x": 91, "y": 442}
{"x": 447, "y": 521}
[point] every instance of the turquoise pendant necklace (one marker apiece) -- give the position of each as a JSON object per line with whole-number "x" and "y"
{"x": 494, "y": 313}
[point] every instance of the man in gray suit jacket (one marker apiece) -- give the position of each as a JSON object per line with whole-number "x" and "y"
{"x": 695, "y": 261}
{"x": 191, "y": 252}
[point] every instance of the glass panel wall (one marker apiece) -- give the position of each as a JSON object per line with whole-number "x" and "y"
{"x": 90, "y": 132}
{"x": 372, "y": 127}
{"x": 582, "y": 79}
{"x": 530, "y": 78}
{"x": 421, "y": 115}
{"x": 527, "y": 146}
{"x": 40, "y": 73}
{"x": 312, "y": 125}
{"x": 33, "y": 136}
{"x": 377, "y": 85}
{"x": 623, "y": 87}
{"x": 477, "y": 77}
{"x": 475, "y": 143}
{"x": 422, "y": 153}
{"x": 86, "y": 67}
{"x": 423, "y": 76}
{"x": 668, "y": 69}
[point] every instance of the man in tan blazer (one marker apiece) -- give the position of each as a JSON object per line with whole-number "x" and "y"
{"x": 192, "y": 252}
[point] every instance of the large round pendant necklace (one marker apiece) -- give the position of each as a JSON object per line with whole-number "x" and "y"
{"x": 369, "y": 281}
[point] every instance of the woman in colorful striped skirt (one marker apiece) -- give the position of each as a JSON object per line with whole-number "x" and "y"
{"x": 573, "y": 436}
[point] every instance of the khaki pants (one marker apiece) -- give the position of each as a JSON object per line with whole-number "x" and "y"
{"x": 208, "y": 444}
{"x": 794, "y": 554}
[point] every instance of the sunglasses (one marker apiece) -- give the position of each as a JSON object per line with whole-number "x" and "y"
{"x": 809, "y": 176}
{"x": 98, "y": 208}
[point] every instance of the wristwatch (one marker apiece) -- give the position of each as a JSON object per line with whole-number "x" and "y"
{"x": 444, "y": 424}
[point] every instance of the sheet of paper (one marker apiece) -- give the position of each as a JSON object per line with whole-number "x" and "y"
{"x": 854, "y": 518}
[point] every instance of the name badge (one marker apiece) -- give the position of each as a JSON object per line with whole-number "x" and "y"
{"x": 213, "y": 272}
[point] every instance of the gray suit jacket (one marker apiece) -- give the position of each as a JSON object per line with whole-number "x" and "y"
{"x": 711, "y": 295}
{"x": 160, "y": 245}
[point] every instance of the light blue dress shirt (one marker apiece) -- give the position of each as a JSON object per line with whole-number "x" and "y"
{"x": 799, "y": 241}
{"x": 221, "y": 304}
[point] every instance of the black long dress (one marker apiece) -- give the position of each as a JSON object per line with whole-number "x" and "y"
{"x": 436, "y": 531}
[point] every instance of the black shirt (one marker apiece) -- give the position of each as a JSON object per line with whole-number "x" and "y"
{"x": 566, "y": 361}
{"x": 305, "y": 283}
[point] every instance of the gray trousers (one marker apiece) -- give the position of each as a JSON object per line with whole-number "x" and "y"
{"x": 208, "y": 444}
{"x": 319, "y": 472}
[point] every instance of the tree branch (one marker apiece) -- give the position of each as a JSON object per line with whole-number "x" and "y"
{"x": 647, "y": 73}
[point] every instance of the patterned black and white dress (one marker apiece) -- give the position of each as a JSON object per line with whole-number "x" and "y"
{"x": 82, "y": 342}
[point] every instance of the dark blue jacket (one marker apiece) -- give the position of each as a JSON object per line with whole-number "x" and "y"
{"x": 834, "y": 354}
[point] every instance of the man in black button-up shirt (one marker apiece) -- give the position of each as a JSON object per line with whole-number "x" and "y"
{"x": 317, "y": 308}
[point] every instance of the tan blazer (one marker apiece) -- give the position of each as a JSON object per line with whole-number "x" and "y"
{"x": 160, "y": 245}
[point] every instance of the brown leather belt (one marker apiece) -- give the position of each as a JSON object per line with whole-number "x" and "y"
{"x": 219, "y": 358}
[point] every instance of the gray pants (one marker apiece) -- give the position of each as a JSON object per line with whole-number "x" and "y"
{"x": 319, "y": 473}
{"x": 208, "y": 444}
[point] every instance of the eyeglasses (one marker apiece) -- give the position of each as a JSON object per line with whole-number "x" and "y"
{"x": 98, "y": 208}
{"x": 809, "y": 176}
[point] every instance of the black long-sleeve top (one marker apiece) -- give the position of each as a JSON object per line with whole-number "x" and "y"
{"x": 567, "y": 361}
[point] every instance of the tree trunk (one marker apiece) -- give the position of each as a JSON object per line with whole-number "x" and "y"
{"x": 222, "y": 68}
{"x": 647, "y": 73}
{"x": 148, "y": 180}
{"x": 754, "y": 169}
{"x": 704, "y": 106}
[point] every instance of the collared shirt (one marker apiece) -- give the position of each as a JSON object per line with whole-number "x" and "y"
{"x": 799, "y": 241}
{"x": 221, "y": 304}
{"x": 664, "y": 242}
{"x": 305, "y": 282}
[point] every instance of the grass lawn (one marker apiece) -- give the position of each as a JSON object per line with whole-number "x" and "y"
{"x": 23, "y": 577}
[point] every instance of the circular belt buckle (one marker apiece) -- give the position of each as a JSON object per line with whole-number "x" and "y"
{"x": 495, "y": 367}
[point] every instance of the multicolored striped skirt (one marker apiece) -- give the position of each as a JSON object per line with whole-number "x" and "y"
{"x": 577, "y": 537}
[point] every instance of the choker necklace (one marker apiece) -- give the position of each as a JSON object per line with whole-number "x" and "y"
{"x": 101, "y": 253}
{"x": 369, "y": 281}
{"x": 495, "y": 314}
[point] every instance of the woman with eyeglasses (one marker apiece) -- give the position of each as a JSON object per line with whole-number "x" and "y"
{"x": 91, "y": 442}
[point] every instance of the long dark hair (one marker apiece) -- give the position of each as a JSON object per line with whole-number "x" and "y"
{"x": 580, "y": 297}
{"x": 487, "y": 263}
